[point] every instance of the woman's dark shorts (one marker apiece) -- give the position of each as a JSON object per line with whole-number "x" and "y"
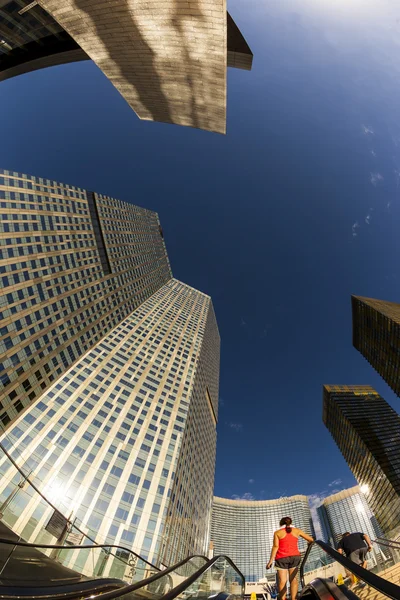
{"x": 289, "y": 562}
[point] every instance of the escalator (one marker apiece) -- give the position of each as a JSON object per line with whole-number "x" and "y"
{"x": 343, "y": 579}
{"x": 83, "y": 568}
{"x": 195, "y": 577}
{"x": 26, "y": 573}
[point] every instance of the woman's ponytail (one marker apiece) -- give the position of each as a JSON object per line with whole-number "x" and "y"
{"x": 286, "y": 521}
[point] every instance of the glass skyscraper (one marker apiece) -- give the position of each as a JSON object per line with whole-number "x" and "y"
{"x": 376, "y": 334}
{"x": 367, "y": 432}
{"x": 244, "y": 529}
{"x": 122, "y": 437}
{"x": 73, "y": 264}
{"x": 344, "y": 511}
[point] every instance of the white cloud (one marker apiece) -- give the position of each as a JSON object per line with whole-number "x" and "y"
{"x": 235, "y": 426}
{"x": 373, "y": 153}
{"x": 243, "y": 323}
{"x": 221, "y": 402}
{"x": 335, "y": 482}
{"x": 251, "y": 480}
{"x": 315, "y": 501}
{"x": 245, "y": 496}
{"x": 354, "y": 228}
{"x": 367, "y": 129}
{"x": 375, "y": 178}
{"x": 368, "y": 218}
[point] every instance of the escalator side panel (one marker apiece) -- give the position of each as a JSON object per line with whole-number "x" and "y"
{"x": 324, "y": 589}
{"x": 72, "y": 590}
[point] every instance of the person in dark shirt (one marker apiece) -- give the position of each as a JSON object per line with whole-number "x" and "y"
{"x": 355, "y": 546}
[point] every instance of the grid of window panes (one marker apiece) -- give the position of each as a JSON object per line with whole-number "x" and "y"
{"x": 376, "y": 334}
{"x": 189, "y": 514}
{"x": 367, "y": 432}
{"x": 19, "y": 30}
{"x": 244, "y": 530}
{"x": 56, "y": 301}
{"x": 105, "y": 440}
{"x": 349, "y": 511}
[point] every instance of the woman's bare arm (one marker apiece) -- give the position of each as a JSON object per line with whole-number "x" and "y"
{"x": 305, "y": 536}
{"x": 274, "y": 550}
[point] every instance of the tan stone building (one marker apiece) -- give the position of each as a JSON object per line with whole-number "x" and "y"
{"x": 167, "y": 58}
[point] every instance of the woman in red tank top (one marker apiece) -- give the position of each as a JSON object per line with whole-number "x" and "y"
{"x": 285, "y": 551}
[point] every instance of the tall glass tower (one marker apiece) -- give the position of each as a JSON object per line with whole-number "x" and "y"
{"x": 73, "y": 264}
{"x": 376, "y": 334}
{"x": 244, "y": 529}
{"x": 367, "y": 432}
{"x": 122, "y": 439}
{"x": 348, "y": 510}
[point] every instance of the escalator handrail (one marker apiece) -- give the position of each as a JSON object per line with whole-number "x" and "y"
{"x": 188, "y": 582}
{"x": 386, "y": 544}
{"x": 387, "y": 588}
{"x": 76, "y": 547}
{"x": 176, "y": 590}
{"x": 390, "y": 543}
{"x": 134, "y": 586}
{"x": 316, "y": 584}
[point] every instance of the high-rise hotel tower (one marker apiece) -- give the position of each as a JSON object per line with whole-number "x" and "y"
{"x": 376, "y": 334}
{"x": 367, "y": 432}
{"x": 73, "y": 264}
{"x": 123, "y": 360}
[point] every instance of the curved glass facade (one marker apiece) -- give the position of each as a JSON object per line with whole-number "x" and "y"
{"x": 244, "y": 529}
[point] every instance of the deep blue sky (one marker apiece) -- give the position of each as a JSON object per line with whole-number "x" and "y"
{"x": 280, "y": 221}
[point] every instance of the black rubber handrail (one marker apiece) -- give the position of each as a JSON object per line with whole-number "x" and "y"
{"x": 322, "y": 587}
{"x": 140, "y": 584}
{"x": 188, "y": 582}
{"x": 176, "y": 590}
{"x": 388, "y": 544}
{"x": 387, "y": 588}
{"x": 77, "y": 547}
{"x": 393, "y": 543}
{"x": 128, "y": 588}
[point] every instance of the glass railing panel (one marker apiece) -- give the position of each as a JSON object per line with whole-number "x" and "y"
{"x": 27, "y": 513}
{"x": 186, "y": 570}
{"x": 220, "y": 578}
{"x": 388, "y": 557}
{"x": 122, "y": 564}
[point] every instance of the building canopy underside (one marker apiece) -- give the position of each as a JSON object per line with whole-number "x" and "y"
{"x": 168, "y": 60}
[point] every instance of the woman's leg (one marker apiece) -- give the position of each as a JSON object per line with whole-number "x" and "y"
{"x": 282, "y": 581}
{"x": 294, "y": 584}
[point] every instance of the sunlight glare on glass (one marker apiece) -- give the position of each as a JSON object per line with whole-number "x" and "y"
{"x": 360, "y": 507}
{"x": 55, "y": 492}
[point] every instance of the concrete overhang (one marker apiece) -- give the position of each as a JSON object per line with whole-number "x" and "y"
{"x": 167, "y": 58}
